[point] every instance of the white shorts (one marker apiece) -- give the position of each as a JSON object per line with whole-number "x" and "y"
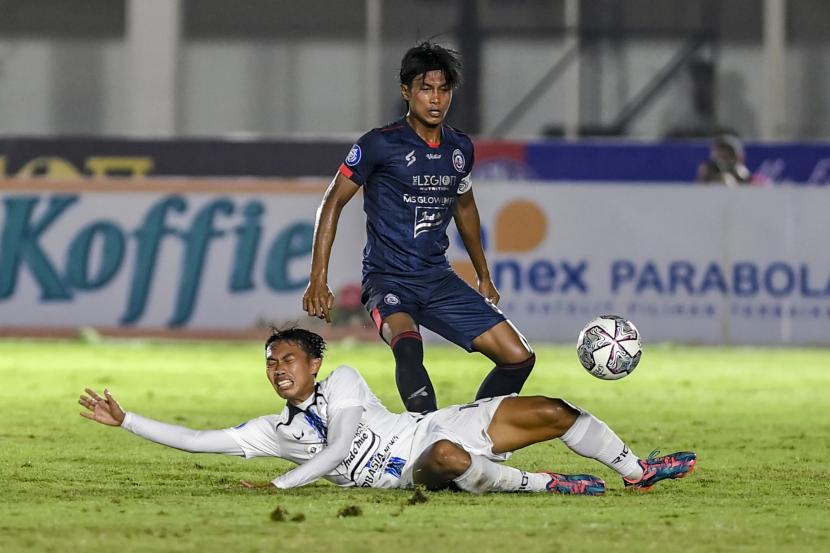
{"x": 463, "y": 425}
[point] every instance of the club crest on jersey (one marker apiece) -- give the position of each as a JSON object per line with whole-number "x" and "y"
{"x": 458, "y": 161}
{"x": 410, "y": 158}
{"x": 427, "y": 218}
{"x": 391, "y": 299}
{"x": 354, "y": 156}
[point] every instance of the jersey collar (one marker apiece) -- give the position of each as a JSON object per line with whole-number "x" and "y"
{"x": 432, "y": 145}
{"x": 294, "y": 410}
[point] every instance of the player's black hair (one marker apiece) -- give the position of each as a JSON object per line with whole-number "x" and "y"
{"x": 311, "y": 343}
{"x": 428, "y": 56}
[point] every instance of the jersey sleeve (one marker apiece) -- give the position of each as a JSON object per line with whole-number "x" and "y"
{"x": 346, "y": 388}
{"x": 180, "y": 437}
{"x": 257, "y": 437}
{"x": 466, "y": 177}
{"x": 363, "y": 158}
{"x": 342, "y": 428}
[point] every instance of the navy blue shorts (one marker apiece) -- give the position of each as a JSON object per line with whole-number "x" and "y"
{"x": 445, "y": 304}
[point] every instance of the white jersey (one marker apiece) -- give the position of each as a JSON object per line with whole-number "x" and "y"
{"x": 380, "y": 449}
{"x": 368, "y": 445}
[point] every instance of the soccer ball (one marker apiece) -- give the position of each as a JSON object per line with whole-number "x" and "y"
{"x": 609, "y": 347}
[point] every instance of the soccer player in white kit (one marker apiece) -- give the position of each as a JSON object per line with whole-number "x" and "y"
{"x": 339, "y": 430}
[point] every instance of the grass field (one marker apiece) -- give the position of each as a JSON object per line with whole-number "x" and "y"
{"x": 758, "y": 418}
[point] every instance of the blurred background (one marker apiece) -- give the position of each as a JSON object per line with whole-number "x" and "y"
{"x": 596, "y": 123}
{"x": 534, "y": 68}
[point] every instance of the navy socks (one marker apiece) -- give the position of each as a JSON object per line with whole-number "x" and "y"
{"x": 412, "y": 379}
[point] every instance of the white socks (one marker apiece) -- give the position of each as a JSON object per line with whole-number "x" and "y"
{"x": 486, "y": 476}
{"x": 590, "y": 437}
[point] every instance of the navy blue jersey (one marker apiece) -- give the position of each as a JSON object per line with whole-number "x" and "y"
{"x": 409, "y": 193}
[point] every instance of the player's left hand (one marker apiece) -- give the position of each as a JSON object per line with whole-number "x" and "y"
{"x": 488, "y": 289}
{"x": 102, "y": 409}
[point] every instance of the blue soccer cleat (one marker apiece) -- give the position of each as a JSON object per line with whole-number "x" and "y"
{"x": 675, "y": 465}
{"x": 575, "y": 484}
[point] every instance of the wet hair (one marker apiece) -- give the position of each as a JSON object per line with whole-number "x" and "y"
{"x": 425, "y": 57}
{"x": 311, "y": 343}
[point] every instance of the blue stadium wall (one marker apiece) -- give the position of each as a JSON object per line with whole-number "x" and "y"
{"x": 597, "y": 161}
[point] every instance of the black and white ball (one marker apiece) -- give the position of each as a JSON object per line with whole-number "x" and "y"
{"x": 609, "y": 347}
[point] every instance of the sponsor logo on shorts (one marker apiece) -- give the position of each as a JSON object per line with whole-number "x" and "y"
{"x": 391, "y": 299}
{"x": 354, "y": 156}
{"x": 458, "y": 161}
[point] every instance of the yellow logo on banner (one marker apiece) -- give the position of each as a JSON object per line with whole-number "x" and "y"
{"x": 97, "y": 166}
{"x": 521, "y": 226}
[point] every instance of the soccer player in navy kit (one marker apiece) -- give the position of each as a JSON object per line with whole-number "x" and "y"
{"x": 415, "y": 174}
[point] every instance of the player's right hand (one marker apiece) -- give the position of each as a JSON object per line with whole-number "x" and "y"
{"x": 103, "y": 409}
{"x": 318, "y": 300}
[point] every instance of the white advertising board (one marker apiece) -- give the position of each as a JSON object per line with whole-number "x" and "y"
{"x": 686, "y": 264}
{"x": 193, "y": 254}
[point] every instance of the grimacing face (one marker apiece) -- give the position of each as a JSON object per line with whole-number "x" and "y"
{"x": 291, "y": 371}
{"x": 429, "y": 97}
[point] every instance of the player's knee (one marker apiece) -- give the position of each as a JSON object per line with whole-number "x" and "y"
{"x": 448, "y": 459}
{"x": 516, "y": 359}
{"x": 516, "y": 353}
{"x": 557, "y": 414}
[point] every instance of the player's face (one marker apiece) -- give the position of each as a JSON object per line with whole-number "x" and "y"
{"x": 291, "y": 371}
{"x": 429, "y": 98}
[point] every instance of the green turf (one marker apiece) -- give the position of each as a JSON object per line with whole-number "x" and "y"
{"x": 758, "y": 418}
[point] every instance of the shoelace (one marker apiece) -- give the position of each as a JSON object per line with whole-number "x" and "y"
{"x": 652, "y": 456}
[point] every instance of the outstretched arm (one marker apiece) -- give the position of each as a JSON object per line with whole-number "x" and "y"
{"x": 107, "y": 411}
{"x": 318, "y": 298}
{"x": 469, "y": 227}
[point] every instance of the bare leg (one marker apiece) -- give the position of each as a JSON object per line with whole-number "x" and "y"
{"x": 395, "y": 324}
{"x": 511, "y": 353}
{"x": 523, "y": 421}
{"x": 503, "y": 344}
